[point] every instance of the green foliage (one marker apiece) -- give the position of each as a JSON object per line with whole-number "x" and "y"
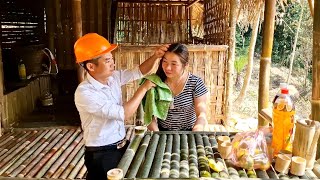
{"x": 240, "y": 62}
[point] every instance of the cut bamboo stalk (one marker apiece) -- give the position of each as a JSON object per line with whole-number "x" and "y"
{"x": 62, "y": 154}
{"x": 73, "y": 163}
{"x": 27, "y": 152}
{"x": 175, "y": 157}
{"x": 12, "y": 142}
{"x": 146, "y": 166}
{"x": 5, "y": 137}
{"x": 265, "y": 60}
{"x": 140, "y": 155}
{"x": 28, "y": 164}
{"x": 156, "y": 166}
{"x": 165, "y": 167}
{"x": 82, "y": 173}
{"x": 76, "y": 169}
{"x": 193, "y": 157}
{"x": 129, "y": 154}
{"x": 57, "y": 152}
{"x": 46, "y": 155}
{"x": 67, "y": 161}
{"x": 184, "y": 161}
{"x": 13, "y": 150}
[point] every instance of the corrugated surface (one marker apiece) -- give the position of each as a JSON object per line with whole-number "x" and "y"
{"x": 44, "y": 153}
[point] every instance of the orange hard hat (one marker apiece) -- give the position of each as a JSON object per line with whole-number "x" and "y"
{"x": 90, "y": 46}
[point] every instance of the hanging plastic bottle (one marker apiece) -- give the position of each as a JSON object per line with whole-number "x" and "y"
{"x": 22, "y": 70}
{"x": 283, "y": 122}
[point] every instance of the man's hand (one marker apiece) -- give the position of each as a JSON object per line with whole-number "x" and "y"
{"x": 159, "y": 52}
{"x": 148, "y": 85}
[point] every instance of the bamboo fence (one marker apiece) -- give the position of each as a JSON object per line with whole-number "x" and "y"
{"x": 22, "y": 101}
{"x": 206, "y": 61}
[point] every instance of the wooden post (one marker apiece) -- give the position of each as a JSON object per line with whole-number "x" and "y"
{"x": 234, "y": 7}
{"x": 265, "y": 61}
{"x": 77, "y": 23}
{"x": 50, "y": 24}
{"x": 1, "y": 89}
{"x": 315, "y": 102}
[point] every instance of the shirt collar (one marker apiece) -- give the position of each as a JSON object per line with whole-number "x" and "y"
{"x": 94, "y": 82}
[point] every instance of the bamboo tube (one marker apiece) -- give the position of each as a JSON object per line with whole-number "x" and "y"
{"x": 5, "y": 136}
{"x": 315, "y": 103}
{"x": 265, "y": 61}
{"x": 156, "y": 167}
{"x": 27, "y": 152}
{"x": 316, "y": 169}
{"x": 82, "y": 172}
{"x": 62, "y": 154}
{"x": 26, "y": 166}
{"x": 16, "y": 144}
{"x": 59, "y": 33}
{"x": 129, "y": 154}
{"x": 6, "y": 145}
{"x": 58, "y": 151}
{"x": 50, "y": 24}
{"x": 132, "y": 172}
{"x": 48, "y": 153}
{"x": 76, "y": 169}
{"x": 73, "y": 163}
{"x": 165, "y": 167}
{"x": 67, "y": 161}
{"x": 193, "y": 158}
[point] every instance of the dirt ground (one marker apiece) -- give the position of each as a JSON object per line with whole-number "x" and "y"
{"x": 248, "y": 110}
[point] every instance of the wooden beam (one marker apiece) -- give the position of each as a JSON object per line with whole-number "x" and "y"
{"x": 77, "y": 23}
{"x": 265, "y": 61}
{"x": 1, "y": 87}
{"x": 311, "y": 7}
{"x": 193, "y": 3}
{"x": 50, "y": 24}
{"x": 315, "y": 102}
{"x": 156, "y": 2}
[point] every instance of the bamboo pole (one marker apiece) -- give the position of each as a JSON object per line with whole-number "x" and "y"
{"x": 311, "y": 6}
{"x": 315, "y": 103}
{"x": 50, "y": 24}
{"x": 77, "y": 26}
{"x": 234, "y": 7}
{"x": 265, "y": 61}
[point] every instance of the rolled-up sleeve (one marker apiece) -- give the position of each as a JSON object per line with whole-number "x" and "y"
{"x": 87, "y": 102}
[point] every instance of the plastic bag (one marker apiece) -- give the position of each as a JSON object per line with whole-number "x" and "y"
{"x": 250, "y": 150}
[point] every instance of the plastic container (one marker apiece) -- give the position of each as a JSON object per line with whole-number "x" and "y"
{"x": 22, "y": 70}
{"x": 282, "y": 86}
{"x": 283, "y": 122}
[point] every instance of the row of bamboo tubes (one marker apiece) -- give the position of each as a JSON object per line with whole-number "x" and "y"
{"x": 56, "y": 153}
{"x": 166, "y": 154}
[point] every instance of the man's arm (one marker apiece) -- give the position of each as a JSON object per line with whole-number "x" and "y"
{"x": 149, "y": 64}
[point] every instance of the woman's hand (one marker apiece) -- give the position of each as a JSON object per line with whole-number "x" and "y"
{"x": 159, "y": 52}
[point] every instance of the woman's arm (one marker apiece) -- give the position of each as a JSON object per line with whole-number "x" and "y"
{"x": 201, "y": 123}
{"x": 153, "y": 126}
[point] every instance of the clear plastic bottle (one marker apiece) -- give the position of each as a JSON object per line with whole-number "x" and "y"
{"x": 282, "y": 86}
{"x": 283, "y": 122}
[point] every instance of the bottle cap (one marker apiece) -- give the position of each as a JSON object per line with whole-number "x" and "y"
{"x": 283, "y": 85}
{"x": 284, "y": 91}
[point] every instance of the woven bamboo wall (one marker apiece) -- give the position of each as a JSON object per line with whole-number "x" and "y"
{"x": 216, "y": 21}
{"x": 153, "y": 22}
{"x": 23, "y": 101}
{"x": 208, "y": 62}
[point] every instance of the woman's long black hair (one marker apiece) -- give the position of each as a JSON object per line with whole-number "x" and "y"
{"x": 180, "y": 50}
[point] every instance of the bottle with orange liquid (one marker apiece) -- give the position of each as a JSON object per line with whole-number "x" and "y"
{"x": 283, "y": 122}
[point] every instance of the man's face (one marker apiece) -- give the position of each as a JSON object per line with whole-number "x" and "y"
{"x": 105, "y": 66}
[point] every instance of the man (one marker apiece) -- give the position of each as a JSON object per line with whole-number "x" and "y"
{"x": 99, "y": 102}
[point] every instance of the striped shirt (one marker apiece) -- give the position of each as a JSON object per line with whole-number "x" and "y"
{"x": 182, "y": 115}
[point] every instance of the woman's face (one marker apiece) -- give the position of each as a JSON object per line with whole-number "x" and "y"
{"x": 171, "y": 65}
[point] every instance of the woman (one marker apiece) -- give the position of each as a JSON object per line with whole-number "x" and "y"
{"x": 188, "y": 110}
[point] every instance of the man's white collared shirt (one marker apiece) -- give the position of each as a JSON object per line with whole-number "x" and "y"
{"x": 101, "y": 109}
